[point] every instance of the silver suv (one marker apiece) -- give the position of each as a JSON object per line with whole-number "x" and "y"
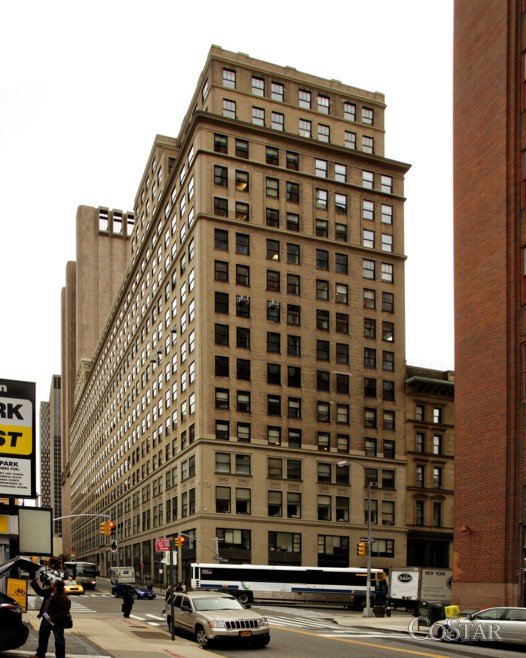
{"x": 213, "y": 616}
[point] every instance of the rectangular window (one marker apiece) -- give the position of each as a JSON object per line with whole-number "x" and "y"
{"x": 273, "y": 373}
{"x": 323, "y": 104}
{"x": 242, "y": 148}
{"x": 292, "y": 160}
{"x": 220, "y": 176}
{"x": 367, "y": 210}
{"x": 368, "y": 238}
{"x": 220, "y": 143}
{"x": 349, "y": 111}
{"x": 324, "y": 133}
{"x": 242, "y": 211}
{"x": 293, "y": 315}
{"x": 272, "y": 187}
{"x": 258, "y": 116}
{"x": 243, "y": 369}
{"x": 305, "y": 99}
{"x": 277, "y": 91}
{"x": 293, "y": 222}
{"x": 220, "y": 207}
{"x": 322, "y": 289}
{"x": 368, "y": 269}
{"x": 272, "y": 155}
{"x": 349, "y": 140}
{"x": 321, "y": 199}
{"x": 229, "y": 108}
{"x": 386, "y": 184}
{"x": 243, "y": 337}
{"x": 321, "y": 168}
{"x": 293, "y": 192}
{"x": 220, "y": 239}
{"x": 229, "y": 78}
{"x": 367, "y": 116}
{"x": 274, "y": 503}
{"x": 272, "y": 217}
{"x": 368, "y": 180}
{"x": 322, "y": 228}
{"x": 324, "y": 508}
{"x": 223, "y": 500}
{"x": 258, "y": 86}
{"x": 277, "y": 121}
{"x": 387, "y": 272}
{"x": 387, "y": 214}
{"x": 305, "y": 128}
{"x": 367, "y": 144}
{"x": 340, "y": 173}
{"x": 340, "y": 232}
{"x": 242, "y": 181}
{"x": 322, "y": 259}
{"x": 340, "y": 203}
{"x": 388, "y": 302}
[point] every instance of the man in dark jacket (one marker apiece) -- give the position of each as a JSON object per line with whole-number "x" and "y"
{"x": 127, "y": 601}
{"x": 54, "y": 613}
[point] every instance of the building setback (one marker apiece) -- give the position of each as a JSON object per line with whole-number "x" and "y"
{"x": 490, "y": 327}
{"x": 257, "y": 337}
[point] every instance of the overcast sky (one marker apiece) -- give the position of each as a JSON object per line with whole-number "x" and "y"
{"x": 86, "y": 86}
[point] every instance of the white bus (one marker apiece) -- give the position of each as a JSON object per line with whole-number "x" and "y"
{"x": 84, "y": 572}
{"x": 262, "y": 582}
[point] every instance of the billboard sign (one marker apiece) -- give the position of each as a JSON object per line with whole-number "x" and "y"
{"x": 17, "y": 439}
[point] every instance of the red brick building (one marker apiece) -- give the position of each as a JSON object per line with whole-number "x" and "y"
{"x": 490, "y": 316}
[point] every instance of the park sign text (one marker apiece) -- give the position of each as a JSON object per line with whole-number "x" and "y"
{"x": 17, "y": 439}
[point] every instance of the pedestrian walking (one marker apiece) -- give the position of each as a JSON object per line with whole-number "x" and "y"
{"x": 127, "y": 602}
{"x": 55, "y": 615}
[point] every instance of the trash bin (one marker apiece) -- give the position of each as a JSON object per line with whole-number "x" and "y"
{"x": 379, "y": 610}
{"x": 387, "y": 611}
{"x": 430, "y": 611}
{"x": 452, "y": 611}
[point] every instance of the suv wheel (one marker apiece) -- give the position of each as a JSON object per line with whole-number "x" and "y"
{"x": 202, "y": 639}
{"x": 243, "y": 598}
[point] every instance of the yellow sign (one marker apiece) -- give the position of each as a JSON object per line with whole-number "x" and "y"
{"x": 17, "y": 589}
{"x": 16, "y": 429}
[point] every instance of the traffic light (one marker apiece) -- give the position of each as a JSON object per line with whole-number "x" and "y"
{"x": 105, "y": 528}
{"x": 113, "y": 528}
{"x": 179, "y": 542}
{"x": 361, "y": 548}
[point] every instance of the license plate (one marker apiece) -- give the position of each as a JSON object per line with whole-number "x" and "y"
{"x": 245, "y": 633}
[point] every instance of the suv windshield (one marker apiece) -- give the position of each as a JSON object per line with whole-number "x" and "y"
{"x": 221, "y": 603}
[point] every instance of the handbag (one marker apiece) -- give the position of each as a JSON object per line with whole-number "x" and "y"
{"x": 68, "y": 622}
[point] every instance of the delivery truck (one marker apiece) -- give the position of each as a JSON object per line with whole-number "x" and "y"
{"x": 120, "y": 575}
{"x": 409, "y": 586}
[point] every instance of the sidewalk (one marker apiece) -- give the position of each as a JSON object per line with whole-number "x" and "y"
{"x": 118, "y": 638}
{"x": 397, "y": 622}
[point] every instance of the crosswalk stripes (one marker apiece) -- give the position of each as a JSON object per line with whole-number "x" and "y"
{"x": 300, "y": 622}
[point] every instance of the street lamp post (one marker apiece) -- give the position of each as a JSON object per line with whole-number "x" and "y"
{"x": 367, "y": 611}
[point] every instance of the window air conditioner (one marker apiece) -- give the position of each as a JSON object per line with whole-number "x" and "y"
{"x": 273, "y": 303}
{"x": 243, "y": 299}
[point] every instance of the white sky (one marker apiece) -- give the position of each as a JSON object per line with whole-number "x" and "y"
{"x": 86, "y": 86}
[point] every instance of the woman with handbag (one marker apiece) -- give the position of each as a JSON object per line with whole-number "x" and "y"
{"x": 55, "y": 616}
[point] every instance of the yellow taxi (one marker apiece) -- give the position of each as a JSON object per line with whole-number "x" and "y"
{"x": 73, "y": 587}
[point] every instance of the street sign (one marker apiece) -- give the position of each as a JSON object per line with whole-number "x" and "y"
{"x": 367, "y": 539}
{"x": 162, "y": 545}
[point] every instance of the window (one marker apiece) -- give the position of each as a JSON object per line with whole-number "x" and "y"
{"x": 242, "y": 211}
{"x": 419, "y": 511}
{"x": 389, "y": 420}
{"x": 438, "y": 444}
{"x": 388, "y": 512}
{"x": 272, "y": 217}
{"x": 294, "y": 376}
{"x": 272, "y": 187}
{"x": 367, "y": 210}
{"x": 242, "y": 181}
{"x": 222, "y": 398}
{"x": 388, "y": 391}
{"x": 277, "y": 91}
{"x": 220, "y": 207}
{"x": 420, "y": 475}
{"x": 367, "y": 144}
{"x": 274, "y": 503}
{"x": 349, "y": 139}
{"x": 342, "y": 323}
{"x": 243, "y": 306}
{"x": 368, "y": 269}
{"x": 322, "y": 259}
{"x": 222, "y": 430}
{"x": 322, "y": 228}
{"x": 243, "y": 401}
{"x": 349, "y": 111}
{"x": 304, "y": 99}
{"x": 437, "y": 414}
{"x": 293, "y": 253}
{"x": 342, "y": 442}
{"x": 388, "y": 302}
{"x": 243, "y": 500}
{"x": 437, "y": 477}
{"x": 342, "y": 293}
{"x": 220, "y": 271}
{"x": 243, "y": 432}
{"x": 220, "y": 143}
{"x": 274, "y": 468}
{"x": 305, "y": 128}
{"x": 220, "y": 176}
{"x": 223, "y": 500}
{"x": 369, "y": 328}
{"x": 342, "y": 414}
{"x": 221, "y": 366}
{"x": 295, "y": 442}
{"x": 293, "y": 192}
{"x": 229, "y": 78}
{"x": 370, "y": 418}
{"x": 220, "y": 239}
{"x": 273, "y": 250}
{"x": 229, "y": 108}
{"x": 369, "y": 357}
{"x": 221, "y": 302}
{"x": 387, "y": 214}
{"x": 340, "y": 173}
{"x": 420, "y": 442}
{"x": 369, "y": 446}
{"x": 273, "y": 373}
{"x": 242, "y": 244}
{"x": 272, "y": 155}
{"x": 387, "y": 271}
{"x": 258, "y": 116}
{"x": 340, "y": 203}
{"x": 367, "y": 116}
{"x": 437, "y": 515}
{"x": 293, "y": 222}
{"x": 222, "y": 462}
{"x": 273, "y": 342}
{"x": 369, "y": 387}
{"x": 420, "y": 412}
{"x": 324, "y": 133}
{"x": 294, "y": 315}
{"x": 388, "y": 361}
{"x": 323, "y": 413}
{"x": 386, "y": 184}
{"x": 242, "y": 148}
{"x": 292, "y": 160}
{"x": 368, "y": 238}
{"x": 277, "y": 121}
{"x": 322, "y": 289}
{"x": 293, "y": 505}
{"x": 258, "y": 86}
{"x": 321, "y": 168}
{"x": 368, "y": 180}
{"x": 323, "y": 350}
{"x": 294, "y": 408}
{"x": 324, "y": 508}
{"x": 323, "y": 380}
{"x": 243, "y": 337}
{"x": 273, "y": 311}
{"x": 323, "y": 472}
{"x": 321, "y": 199}
{"x": 341, "y": 264}
{"x": 323, "y": 104}
{"x": 243, "y": 275}
{"x": 221, "y": 334}
{"x": 293, "y": 345}
{"x": 340, "y": 232}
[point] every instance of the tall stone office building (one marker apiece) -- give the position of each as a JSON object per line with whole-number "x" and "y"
{"x": 51, "y": 453}
{"x": 490, "y": 302}
{"x": 257, "y": 339}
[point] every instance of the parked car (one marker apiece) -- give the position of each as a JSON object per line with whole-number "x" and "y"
{"x": 211, "y": 616}
{"x": 13, "y": 631}
{"x": 489, "y": 625}
{"x": 137, "y": 591}
{"x": 73, "y": 587}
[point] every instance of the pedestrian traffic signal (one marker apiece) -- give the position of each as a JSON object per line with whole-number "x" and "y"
{"x": 113, "y": 528}
{"x": 361, "y": 548}
{"x": 179, "y": 542}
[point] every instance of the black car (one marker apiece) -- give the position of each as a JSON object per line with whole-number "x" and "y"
{"x": 13, "y": 631}
{"x": 137, "y": 592}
